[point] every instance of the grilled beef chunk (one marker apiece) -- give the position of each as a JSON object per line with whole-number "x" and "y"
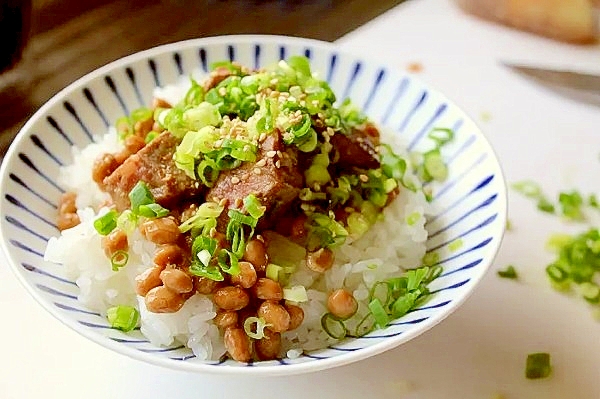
{"x": 274, "y": 179}
{"x": 154, "y": 165}
{"x": 358, "y": 148}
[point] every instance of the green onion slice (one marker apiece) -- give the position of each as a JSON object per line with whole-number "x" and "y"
{"x": 205, "y": 218}
{"x": 556, "y": 273}
{"x": 590, "y": 292}
{"x": 333, "y": 326}
{"x": 259, "y": 331}
{"x": 152, "y": 211}
{"x": 538, "y": 366}
{"x": 228, "y": 262}
{"x": 254, "y": 207}
{"x": 441, "y": 136}
{"x": 297, "y": 293}
{"x": 510, "y": 273}
{"x": 378, "y": 311}
{"x": 273, "y": 271}
{"x": 365, "y": 326}
{"x": 124, "y": 318}
{"x": 119, "y": 259}
{"x": 106, "y": 223}
{"x": 140, "y": 195}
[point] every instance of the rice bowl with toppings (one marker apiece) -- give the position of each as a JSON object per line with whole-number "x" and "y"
{"x": 345, "y": 251}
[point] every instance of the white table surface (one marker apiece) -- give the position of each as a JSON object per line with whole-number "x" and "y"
{"x": 480, "y": 350}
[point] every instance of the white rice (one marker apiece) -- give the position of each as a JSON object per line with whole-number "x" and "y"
{"x": 388, "y": 248}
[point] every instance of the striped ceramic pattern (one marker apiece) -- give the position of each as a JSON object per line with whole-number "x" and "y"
{"x": 471, "y": 204}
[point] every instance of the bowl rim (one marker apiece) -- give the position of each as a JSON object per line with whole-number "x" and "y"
{"x": 277, "y": 369}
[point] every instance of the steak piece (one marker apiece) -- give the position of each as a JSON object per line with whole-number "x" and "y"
{"x": 274, "y": 179}
{"x": 358, "y": 148}
{"x": 154, "y": 165}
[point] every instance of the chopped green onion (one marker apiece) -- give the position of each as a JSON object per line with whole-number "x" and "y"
{"x": 140, "y": 195}
{"x": 119, "y": 259}
{"x": 259, "y": 332}
{"x": 141, "y": 114}
{"x": 106, "y": 223}
{"x": 538, "y": 366}
{"x": 403, "y": 304}
{"x": 431, "y": 258}
{"x": 272, "y": 271}
{"x": 509, "y": 225}
{"x": 300, "y": 64}
{"x": 254, "y": 207}
{"x": 455, "y": 245}
{"x": 528, "y": 188}
{"x": 195, "y": 94}
{"x": 545, "y": 206}
{"x": 211, "y": 272}
{"x": 377, "y": 310}
{"x": 203, "y": 249}
{"x": 317, "y": 174}
{"x": 333, "y": 326}
{"x": 152, "y": 211}
{"x": 590, "y": 292}
{"x": 297, "y": 293}
{"x": 416, "y": 277}
{"x": 205, "y": 218}
{"x": 324, "y": 232}
{"x": 237, "y": 217}
{"x": 228, "y": 262}
{"x": 357, "y": 224}
{"x": 434, "y": 165}
{"x": 124, "y": 318}
{"x": 593, "y": 201}
{"x": 365, "y": 326}
{"x": 532, "y": 190}
{"x": 434, "y": 272}
{"x": 571, "y": 205}
{"x": 510, "y": 273}
{"x": 392, "y": 165}
{"x": 441, "y": 136}
{"x": 208, "y": 171}
{"x": 413, "y": 218}
{"x": 556, "y": 274}
{"x": 127, "y": 221}
{"x": 150, "y": 136}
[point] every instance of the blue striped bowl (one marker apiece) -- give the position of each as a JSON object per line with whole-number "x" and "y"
{"x": 471, "y": 203}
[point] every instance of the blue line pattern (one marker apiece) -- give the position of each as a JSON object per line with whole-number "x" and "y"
{"x": 469, "y": 205}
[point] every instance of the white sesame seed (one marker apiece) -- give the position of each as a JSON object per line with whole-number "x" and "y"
{"x": 223, "y": 202}
{"x": 278, "y": 164}
{"x": 271, "y": 153}
{"x": 363, "y": 178}
{"x": 235, "y": 180}
{"x": 261, "y": 163}
{"x": 262, "y": 137}
{"x": 257, "y": 171}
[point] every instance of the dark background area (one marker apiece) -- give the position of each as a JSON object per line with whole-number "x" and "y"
{"x": 69, "y": 38}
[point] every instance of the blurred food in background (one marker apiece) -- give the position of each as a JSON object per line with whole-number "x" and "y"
{"x": 572, "y": 21}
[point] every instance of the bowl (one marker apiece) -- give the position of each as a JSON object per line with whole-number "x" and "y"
{"x": 470, "y": 204}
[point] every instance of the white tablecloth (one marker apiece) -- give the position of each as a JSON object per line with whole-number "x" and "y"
{"x": 477, "y": 352}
